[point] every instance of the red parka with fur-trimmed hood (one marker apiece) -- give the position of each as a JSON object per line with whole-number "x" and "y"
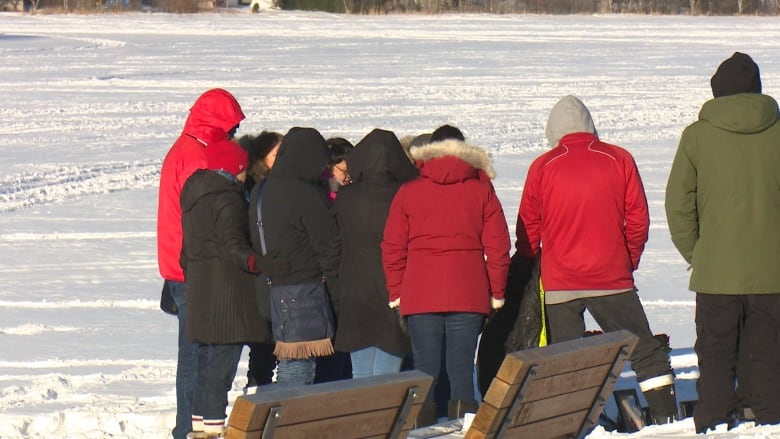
{"x": 446, "y": 242}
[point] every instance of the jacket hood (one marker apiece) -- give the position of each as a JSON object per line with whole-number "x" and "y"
{"x": 452, "y": 161}
{"x": 741, "y": 113}
{"x": 204, "y": 182}
{"x": 213, "y": 115}
{"x": 303, "y": 155}
{"x": 380, "y": 154}
{"x": 568, "y": 116}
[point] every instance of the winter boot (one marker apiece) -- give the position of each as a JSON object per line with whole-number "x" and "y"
{"x": 458, "y": 408}
{"x": 662, "y": 404}
{"x": 427, "y": 415}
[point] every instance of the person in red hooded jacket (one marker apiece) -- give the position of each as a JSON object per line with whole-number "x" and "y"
{"x": 584, "y": 204}
{"x": 445, "y": 254}
{"x": 214, "y": 117}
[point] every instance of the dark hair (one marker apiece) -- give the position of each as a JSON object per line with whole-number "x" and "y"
{"x": 258, "y": 148}
{"x": 339, "y": 147}
{"x": 445, "y": 132}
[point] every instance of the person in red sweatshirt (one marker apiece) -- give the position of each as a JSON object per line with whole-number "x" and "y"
{"x": 445, "y": 254}
{"x": 584, "y": 203}
{"x": 214, "y": 117}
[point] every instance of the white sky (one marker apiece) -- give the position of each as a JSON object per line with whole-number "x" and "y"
{"x": 90, "y": 104}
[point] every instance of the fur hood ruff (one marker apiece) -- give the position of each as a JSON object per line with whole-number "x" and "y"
{"x": 473, "y": 155}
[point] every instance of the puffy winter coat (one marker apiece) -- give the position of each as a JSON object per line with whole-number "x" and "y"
{"x": 212, "y": 116}
{"x": 723, "y": 196}
{"x": 440, "y": 229}
{"x": 221, "y": 305}
{"x": 378, "y": 166}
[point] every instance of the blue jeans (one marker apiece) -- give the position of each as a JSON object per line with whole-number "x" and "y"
{"x": 372, "y": 361}
{"x": 292, "y": 373}
{"x": 186, "y": 367}
{"x": 457, "y": 333}
{"x": 217, "y": 364}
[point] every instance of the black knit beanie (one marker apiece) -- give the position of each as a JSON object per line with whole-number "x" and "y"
{"x": 738, "y": 74}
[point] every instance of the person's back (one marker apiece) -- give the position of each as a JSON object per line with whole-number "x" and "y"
{"x": 299, "y": 227}
{"x": 584, "y": 203}
{"x": 735, "y": 146}
{"x": 593, "y": 221}
{"x": 723, "y": 206}
{"x": 378, "y": 166}
{"x": 445, "y": 254}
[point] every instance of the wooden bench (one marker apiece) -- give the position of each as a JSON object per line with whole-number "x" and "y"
{"x": 383, "y": 406}
{"x": 557, "y": 391}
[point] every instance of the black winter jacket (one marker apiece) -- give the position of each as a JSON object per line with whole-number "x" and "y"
{"x": 221, "y": 305}
{"x": 297, "y": 220}
{"x": 377, "y": 166}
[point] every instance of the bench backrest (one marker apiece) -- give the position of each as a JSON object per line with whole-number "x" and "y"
{"x": 383, "y": 406}
{"x": 557, "y": 391}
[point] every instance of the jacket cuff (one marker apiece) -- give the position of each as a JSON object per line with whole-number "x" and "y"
{"x": 250, "y": 263}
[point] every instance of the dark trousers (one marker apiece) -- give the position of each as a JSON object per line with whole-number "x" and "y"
{"x": 186, "y": 366}
{"x": 217, "y": 365}
{"x": 732, "y": 331}
{"x": 262, "y": 363}
{"x": 612, "y": 313}
{"x": 456, "y": 332}
{"x": 333, "y": 368}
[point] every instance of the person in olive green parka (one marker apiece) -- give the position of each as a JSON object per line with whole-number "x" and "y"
{"x": 723, "y": 210}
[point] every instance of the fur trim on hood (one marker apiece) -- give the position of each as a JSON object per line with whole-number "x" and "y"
{"x": 473, "y": 155}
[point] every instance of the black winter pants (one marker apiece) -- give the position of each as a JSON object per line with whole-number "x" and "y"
{"x": 727, "y": 327}
{"x": 619, "y": 311}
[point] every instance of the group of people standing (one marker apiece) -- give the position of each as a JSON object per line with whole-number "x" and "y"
{"x": 341, "y": 261}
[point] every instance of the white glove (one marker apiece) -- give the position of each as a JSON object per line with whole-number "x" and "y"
{"x": 496, "y": 303}
{"x": 395, "y": 303}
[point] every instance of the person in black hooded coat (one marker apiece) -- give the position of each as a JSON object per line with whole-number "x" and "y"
{"x": 299, "y": 227}
{"x": 367, "y": 327}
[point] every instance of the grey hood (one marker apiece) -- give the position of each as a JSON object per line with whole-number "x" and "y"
{"x": 568, "y": 116}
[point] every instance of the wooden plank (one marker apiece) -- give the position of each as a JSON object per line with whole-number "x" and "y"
{"x": 568, "y": 403}
{"x": 328, "y": 400}
{"x": 355, "y": 426}
{"x": 501, "y": 394}
{"x": 564, "y": 357}
{"x": 567, "y": 382}
{"x": 566, "y": 425}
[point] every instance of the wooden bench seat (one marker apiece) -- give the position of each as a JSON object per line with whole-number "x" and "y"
{"x": 383, "y": 406}
{"x": 557, "y": 391}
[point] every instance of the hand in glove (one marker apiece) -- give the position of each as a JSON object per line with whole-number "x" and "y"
{"x": 270, "y": 266}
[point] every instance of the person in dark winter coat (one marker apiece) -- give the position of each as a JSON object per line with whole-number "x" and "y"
{"x": 585, "y": 205}
{"x": 337, "y": 366}
{"x": 723, "y": 206}
{"x": 262, "y": 150}
{"x": 219, "y": 264}
{"x": 213, "y": 116}
{"x": 367, "y": 327}
{"x": 516, "y": 325}
{"x": 445, "y": 253}
{"x": 298, "y": 226}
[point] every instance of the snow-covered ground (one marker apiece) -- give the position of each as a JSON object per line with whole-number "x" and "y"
{"x": 90, "y": 105}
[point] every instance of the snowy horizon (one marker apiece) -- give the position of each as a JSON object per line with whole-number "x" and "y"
{"x": 91, "y": 104}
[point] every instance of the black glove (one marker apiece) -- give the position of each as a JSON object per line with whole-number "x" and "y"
{"x": 272, "y": 267}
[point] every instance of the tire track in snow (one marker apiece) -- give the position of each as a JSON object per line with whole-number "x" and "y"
{"x": 58, "y": 183}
